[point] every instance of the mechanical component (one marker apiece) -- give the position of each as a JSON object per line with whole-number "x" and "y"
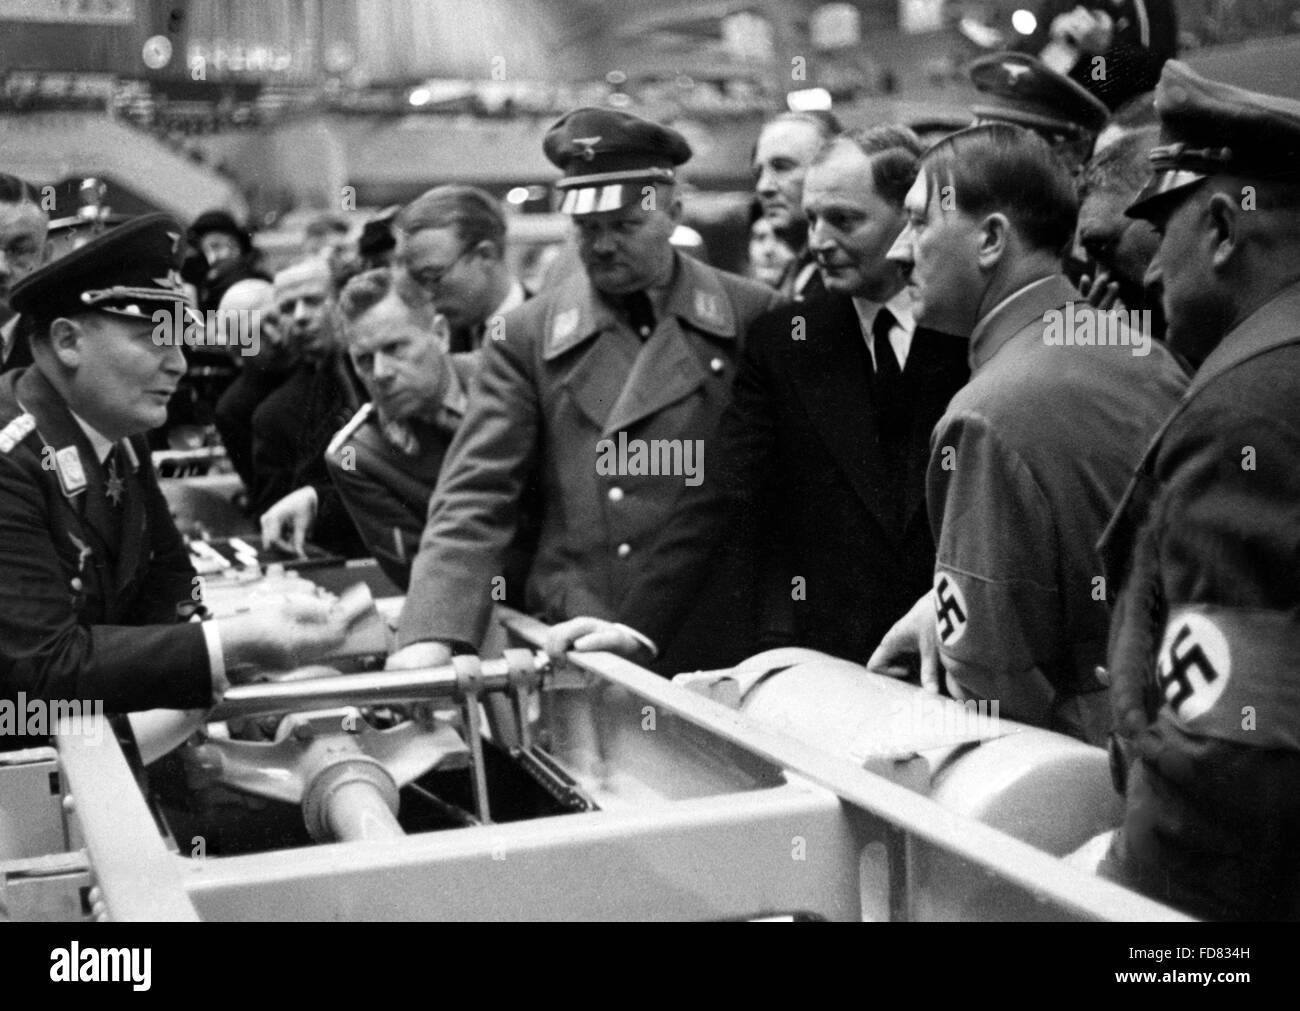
{"x": 351, "y": 797}
{"x": 690, "y": 809}
{"x": 469, "y": 671}
{"x": 433, "y": 684}
{"x": 1044, "y": 788}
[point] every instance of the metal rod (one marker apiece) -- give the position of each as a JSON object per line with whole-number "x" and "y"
{"x": 367, "y": 689}
{"x": 470, "y": 672}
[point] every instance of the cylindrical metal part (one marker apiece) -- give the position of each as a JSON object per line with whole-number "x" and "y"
{"x": 357, "y": 810}
{"x": 368, "y": 689}
{"x": 351, "y": 798}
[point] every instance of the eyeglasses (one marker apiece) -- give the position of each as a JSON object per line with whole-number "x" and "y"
{"x": 431, "y": 280}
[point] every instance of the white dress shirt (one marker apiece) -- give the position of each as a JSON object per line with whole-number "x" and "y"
{"x": 900, "y": 334}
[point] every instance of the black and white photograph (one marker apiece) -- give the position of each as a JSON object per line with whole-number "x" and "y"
{"x": 701, "y": 461}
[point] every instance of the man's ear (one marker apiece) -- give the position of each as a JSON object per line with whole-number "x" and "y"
{"x": 66, "y": 336}
{"x": 1225, "y": 228}
{"x": 994, "y": 237}
{"x": 675, "y": 210}
{"x": 442, "y": 330}
{"x": 47, "y": 251}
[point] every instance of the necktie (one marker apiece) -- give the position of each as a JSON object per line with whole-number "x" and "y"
{"x": 888, "y": 381}
{"x": 639, "y": 313}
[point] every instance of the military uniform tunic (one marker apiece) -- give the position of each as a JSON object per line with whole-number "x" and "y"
{"x": 1205, "y": 649}
{"x": 568, "y": 378}
{"x": 1026, "y": 467}
{"x": 80, "y": 575}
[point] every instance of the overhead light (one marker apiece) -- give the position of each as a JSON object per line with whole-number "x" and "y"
{"x": 157, "y": 52}
{"x": 518, "y": 195}
{"x": 981, "y": 34}
{"x": 420, "y": 96}
{"x": 1024, "y": 22}
{"x": 808, "y": 100}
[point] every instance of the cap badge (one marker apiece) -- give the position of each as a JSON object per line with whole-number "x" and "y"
{"x": 586, "y": 147}
{"x": 172, "y": 280}
{"x": 1013, "y": 72}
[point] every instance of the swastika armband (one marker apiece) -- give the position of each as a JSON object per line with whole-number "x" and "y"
{"x": 950, "y": 609}
{"x": 1233, "y": 674}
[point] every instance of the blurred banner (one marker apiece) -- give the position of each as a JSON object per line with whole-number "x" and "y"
{"x": 82, "y": 12}
{"x": 920, "y": 15}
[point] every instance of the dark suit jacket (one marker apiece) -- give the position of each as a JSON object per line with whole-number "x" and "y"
{"x": 291, "y": 429}
{"x": 89, "y": 593}
{"x": 797, "y": 465}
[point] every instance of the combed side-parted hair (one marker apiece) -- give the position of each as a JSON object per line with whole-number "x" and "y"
{"x": 1003, "y": 168}
{"x": 895, "y": 152}
{"x": 369, "y": 288}
{"x": 823, "y": 120}
{"x": 474, "y": 213}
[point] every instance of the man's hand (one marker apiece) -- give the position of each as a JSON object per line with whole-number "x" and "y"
{"x": 1100, "y": 291}
{"x": 914, "y": 634}
{"x": 297, "y": 512}
{"x": 589, "y": 635}
{"x": 1091, "y": 31}
{"x": 419, "y": 654}
{"x": 282, "y": 633}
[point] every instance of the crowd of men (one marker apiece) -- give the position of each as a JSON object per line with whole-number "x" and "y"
{"x": 1016, "y": 417}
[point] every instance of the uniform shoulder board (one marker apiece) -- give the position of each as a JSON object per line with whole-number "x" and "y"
{"x": 348, "y": 430}
{"x": 16, "y": 431}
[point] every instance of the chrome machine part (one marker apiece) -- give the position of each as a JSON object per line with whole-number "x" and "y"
{"x": 431, "y": 684}
{"x": 282, "y": 769}
{"x": 351, "y": 797}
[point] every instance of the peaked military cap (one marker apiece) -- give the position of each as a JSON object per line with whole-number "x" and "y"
{"x": 1210, "y": 128}
{"x": 608, "y": 156}
{"x": 130, "y": 270}
{"x": 1023, "y": 90}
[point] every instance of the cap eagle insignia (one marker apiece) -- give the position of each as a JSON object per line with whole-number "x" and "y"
{"x": 586, "y": 147}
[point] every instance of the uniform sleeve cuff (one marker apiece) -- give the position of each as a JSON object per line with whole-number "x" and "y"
{"x": 216, "y": 660}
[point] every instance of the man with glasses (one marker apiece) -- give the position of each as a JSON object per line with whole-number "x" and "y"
{"x": 636, "y": 349}
{"x": 24, "y": 228}
{"x": 452, "y": 244}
